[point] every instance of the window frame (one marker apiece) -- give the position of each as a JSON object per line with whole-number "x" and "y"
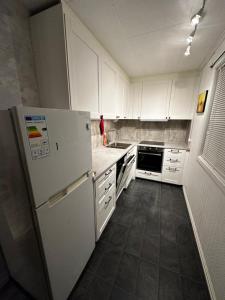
{"x": 217, "y": 178}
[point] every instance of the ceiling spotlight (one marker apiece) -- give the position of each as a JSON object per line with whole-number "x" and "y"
{"x": 196, "y": 18}
{"x": 190, "y": 39}
{"x": 191, "y": 36}
{"x": 187, "y": 52}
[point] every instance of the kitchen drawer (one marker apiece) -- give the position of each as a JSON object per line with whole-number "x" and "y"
{"x": 102, "y": 188}
{"x": 105, "y": 208}
{"x": 148, "y": 175}
{"x": 174, "y": 156}
{"x": 105, "y": 176}
{"x": 172, "y": 175}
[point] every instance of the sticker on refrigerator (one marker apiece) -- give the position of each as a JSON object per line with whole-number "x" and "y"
{"x": 37, "y": 133}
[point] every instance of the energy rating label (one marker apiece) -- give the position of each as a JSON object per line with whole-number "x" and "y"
{"x": 37, "y": 133}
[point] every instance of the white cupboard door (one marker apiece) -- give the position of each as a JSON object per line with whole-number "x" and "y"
{"x": 108, "y": 90}
{"x": 155, "y": 99}
{"x": 182, "y": 98}
{"x": 120, "y": 99}
{"x": 127, "y": 111}
{"x": 83, "y": 71}
{"x": 135, "y": 100}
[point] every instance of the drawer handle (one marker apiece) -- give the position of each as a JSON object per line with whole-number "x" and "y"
{"x": 107, "y": 202}
{"x": 171, "y": 169}
{"x": 107, "y": 188}
{"x": 174, "y": 151}
{"x": 107, "y": 173}
{"x": 172, "y": 160}
{"x": 150, "y": 174}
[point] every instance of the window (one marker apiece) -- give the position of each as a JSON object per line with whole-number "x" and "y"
{"x": 214, "y": 146}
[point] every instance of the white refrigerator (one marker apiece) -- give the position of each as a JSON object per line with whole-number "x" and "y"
{"x": 46, "y": 198}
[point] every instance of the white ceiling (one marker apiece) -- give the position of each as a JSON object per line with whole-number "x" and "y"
{"x": 149, "y": 36}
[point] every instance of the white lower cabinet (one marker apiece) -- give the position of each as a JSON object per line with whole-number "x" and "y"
{"x": 105, "y": 199}
{"x": 173, "y": 164}
{"x": 148, "y": 175}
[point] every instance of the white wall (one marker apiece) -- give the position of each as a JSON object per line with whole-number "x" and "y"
{"x": 206, "y": 199}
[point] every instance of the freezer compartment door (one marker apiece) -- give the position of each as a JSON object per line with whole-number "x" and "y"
{"x": 57, "y": 147}
{"x": 68, "y": 235}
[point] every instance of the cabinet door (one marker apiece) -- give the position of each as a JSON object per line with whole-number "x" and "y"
{"x": 155, "y": 99}
{"x": 120, "y": 98}
{"x": 108, "y": 90}
{"x": 182, "y": 98}
{"x": 134, "y": 102}
{"x": 83, "y": 73}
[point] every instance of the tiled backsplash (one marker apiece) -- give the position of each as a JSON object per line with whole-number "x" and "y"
{"x": 173, "y": 131}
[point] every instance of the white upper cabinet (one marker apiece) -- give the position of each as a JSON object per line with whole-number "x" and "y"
{"x": 183, "y": 98}
{"x": 155, "y": 99}
{"x": 108, "y": 90}
{"x": 134, "y": 103}
{"x": 122, "y": 97}
{"x": 83, "y": 74}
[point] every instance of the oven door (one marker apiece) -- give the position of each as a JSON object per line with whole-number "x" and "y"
{"x": 150, "y": 160}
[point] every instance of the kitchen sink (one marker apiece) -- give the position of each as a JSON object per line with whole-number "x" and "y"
{"x": 119, "y": 145}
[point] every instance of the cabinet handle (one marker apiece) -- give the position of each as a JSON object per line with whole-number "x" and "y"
{"x": 107, "y": 188}
{"x": 172, "y": 160}
{"x": 174, "y": 151}
{"x": 171, "y": 169}
{"x": 150, "y": 174}
{"x": 107, "y": 202}
{"x": 107, "y": 173}
{"x": 117, "y": 117}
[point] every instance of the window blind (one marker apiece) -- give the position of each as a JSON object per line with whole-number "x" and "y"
{"x": 214, "y": 146}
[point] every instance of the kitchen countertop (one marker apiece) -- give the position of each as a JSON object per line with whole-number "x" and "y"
{"x": 103, "y": 157}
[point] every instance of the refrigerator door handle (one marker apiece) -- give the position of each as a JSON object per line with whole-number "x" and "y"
{"x": 60, "y": 196}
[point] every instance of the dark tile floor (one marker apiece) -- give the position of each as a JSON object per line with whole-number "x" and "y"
{"x": 147, "y": 251}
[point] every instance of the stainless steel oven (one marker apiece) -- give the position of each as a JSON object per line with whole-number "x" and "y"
{"x": 150, "y": 159}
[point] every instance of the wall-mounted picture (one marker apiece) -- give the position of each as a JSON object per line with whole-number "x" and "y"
{"x": 202, "y": 101}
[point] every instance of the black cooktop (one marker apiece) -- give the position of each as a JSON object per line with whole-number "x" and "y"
{"x": 151, "y": 143}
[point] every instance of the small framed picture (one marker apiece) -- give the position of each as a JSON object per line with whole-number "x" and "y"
{"x": 202, "y": 101}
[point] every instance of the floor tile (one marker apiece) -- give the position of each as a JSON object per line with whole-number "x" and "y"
{"x": 123, "y": 215}
{"x": 168, "y": 226}
{"x": 99, "y": 290}
{"x": 194, "y": 291}
{"x": 120, "y": 294}
{"x": 190, "y": 265}
{"x": 117, "y": 235}
{"x": 96, "y": 257}
{"x": 127, "y": 200}
{"x": 150, "y": 249}
{"x": 127, "y": 275}
{"x": 134, "y": 243}
{"x": 169, "y": 256}
{"x": 169, "y": 286}
{"x": 147, "y": 281}
{"x": 109, "y": 264}
{"x": 152, "y": 226}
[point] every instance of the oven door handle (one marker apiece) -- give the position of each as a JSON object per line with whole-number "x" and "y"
{"x": 155, "y": 154}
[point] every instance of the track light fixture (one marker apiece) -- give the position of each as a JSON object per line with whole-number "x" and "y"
{"x": 194, "y": 21}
